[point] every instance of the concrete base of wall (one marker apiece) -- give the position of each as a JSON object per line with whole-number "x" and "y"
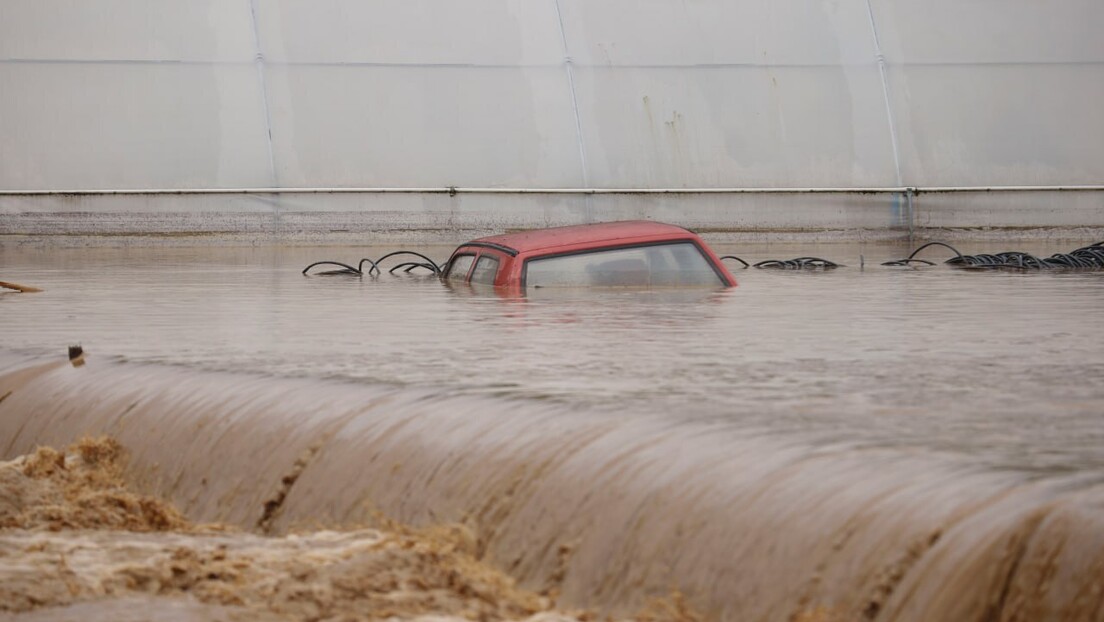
{"x": 320, "y": 218}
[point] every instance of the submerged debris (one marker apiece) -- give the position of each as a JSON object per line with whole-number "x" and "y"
{"x": 1085, "y": 258}
{"x": 25, "y": 289}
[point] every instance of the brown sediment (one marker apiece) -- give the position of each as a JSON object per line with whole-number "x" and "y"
{"x": 821, "y": 614}
{"x": 362, "y": 574}
{"x": 890, "y": 576}
{"x": 272, "y": 505}
{"x": 78, "y": 489}
{"x": 78, "y": 499}
{"x": 76, "y": 543}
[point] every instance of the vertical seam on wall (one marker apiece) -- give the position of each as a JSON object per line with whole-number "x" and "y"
{"x": 885, "y": 92}
{"x": 258, "y": 61}
{"x": 574, "y": 97}
{"x": 880, "y": 57}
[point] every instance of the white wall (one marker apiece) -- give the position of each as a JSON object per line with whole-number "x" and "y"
{"x": 493, "y": 93}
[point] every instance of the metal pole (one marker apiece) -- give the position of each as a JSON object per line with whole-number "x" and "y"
{"x": 911, "y": 190}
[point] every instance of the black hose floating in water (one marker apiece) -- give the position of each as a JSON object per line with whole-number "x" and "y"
{"x": 1085, "y": 258}
{"x": 912, "y": 257}
{"x": 360, "y": 266}
{"x": 375, "y": 269}
{"x": 410, "y": 265}
{"x": 746, "y": 264}
{"x": 345, "y": 268}
{"x": 798, "y": 263}
{"x": 429, "y": 263}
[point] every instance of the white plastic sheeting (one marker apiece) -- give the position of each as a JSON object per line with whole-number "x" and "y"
{"x": 549, "y": 93}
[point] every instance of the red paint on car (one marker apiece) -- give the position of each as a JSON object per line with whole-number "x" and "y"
{"x": 638, "y": 252}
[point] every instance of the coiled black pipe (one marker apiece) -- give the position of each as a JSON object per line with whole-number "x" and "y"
{"x": 345, "y": 268}
{"x": 798, "y": 263}
{"x": 407, "y": 266}
{"x": 912, "y": 257}
{"x": 1085, "y": 258}
{"x": 374, "y": 265}
{"x": 429, "y": 263}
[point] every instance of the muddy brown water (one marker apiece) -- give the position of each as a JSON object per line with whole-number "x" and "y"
{"x": 877, "y": 443}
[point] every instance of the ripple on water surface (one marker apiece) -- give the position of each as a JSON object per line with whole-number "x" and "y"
{"x": 1004, "y": 368}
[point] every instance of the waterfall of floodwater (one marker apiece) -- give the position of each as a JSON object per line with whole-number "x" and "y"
{"x": 606, "y": 508}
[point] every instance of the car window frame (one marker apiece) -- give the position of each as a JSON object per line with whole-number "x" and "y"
{"x": 467, "y": 273}
{"x": 490, "y": 256}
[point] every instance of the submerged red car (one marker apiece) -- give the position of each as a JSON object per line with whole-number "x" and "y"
{"x": 636, "y": 253}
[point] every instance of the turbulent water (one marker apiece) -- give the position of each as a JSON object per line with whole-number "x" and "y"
{"x": 877, "y": 443}
{"x": 78, "y": 545}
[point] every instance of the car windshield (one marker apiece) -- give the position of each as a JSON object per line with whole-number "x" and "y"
{"x": 658, "y": 265}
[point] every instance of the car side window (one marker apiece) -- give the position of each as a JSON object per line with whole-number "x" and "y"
{"x": 485, "y": 270}
{"x": 458, "y": 267}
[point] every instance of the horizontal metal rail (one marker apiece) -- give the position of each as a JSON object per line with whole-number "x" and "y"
{"x": 522, "y": 66}
{"x": 915, "y": 190}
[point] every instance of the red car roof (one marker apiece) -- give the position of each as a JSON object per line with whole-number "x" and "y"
{"x": 541, "y": 239}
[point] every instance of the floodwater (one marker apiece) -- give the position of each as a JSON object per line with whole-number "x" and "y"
{"x": 1003, "y": 367}
{"x": 884, "y": 443}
